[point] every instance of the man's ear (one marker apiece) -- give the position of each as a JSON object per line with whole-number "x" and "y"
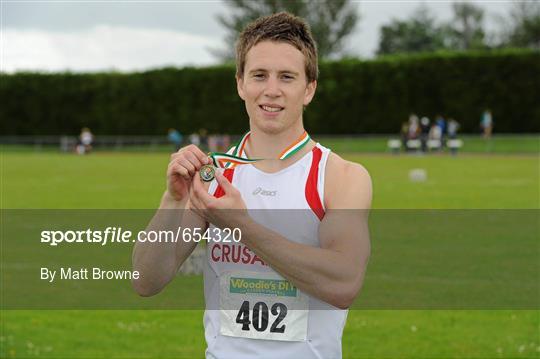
{"x": 240, "y": 86}
{"x": 310, "y": 92}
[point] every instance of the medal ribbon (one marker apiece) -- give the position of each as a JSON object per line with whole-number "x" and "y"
{"x": 224, "y": 160}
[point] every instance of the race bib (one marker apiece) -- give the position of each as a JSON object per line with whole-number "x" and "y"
{"x": 259, "y": 305}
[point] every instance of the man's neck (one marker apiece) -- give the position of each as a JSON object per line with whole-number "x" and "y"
{"x": 270, "y": 146}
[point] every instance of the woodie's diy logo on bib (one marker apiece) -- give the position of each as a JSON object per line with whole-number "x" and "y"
{"x": 262, "y": 305}
{"x": 262, "y": 286}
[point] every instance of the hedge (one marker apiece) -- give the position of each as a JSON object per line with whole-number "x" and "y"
{"x": 353, "y": 97}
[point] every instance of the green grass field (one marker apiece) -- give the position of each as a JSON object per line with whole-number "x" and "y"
{"x": 136, "y": 180}
{"x": 127, "y": 180}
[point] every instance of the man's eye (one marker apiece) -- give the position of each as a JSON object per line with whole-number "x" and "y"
{"x": 288, "y": 77}
{"x": 258, "y": 76}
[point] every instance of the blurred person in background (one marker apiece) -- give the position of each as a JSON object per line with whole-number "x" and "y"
{"x": 424, "y": 132}
{"x": 441, "y": 123}
{"x": 203, "y": 137}
{"x": 175, "y": 138}
{"x": 86, "y": 138}
{"x": 453, "y": 127}
{"x": 435, "y": 133}
{"x": 195, "y": 139}
{"x": 213, "y": 141}
{"x": 226, "y": 141}
{"x": 404, "y": 134}
{"x": 486, "y": 123}
{"x": 414, "y": 128}
{"x": 413, "y": 133}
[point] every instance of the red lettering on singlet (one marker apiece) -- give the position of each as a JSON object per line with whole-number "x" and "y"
{"x": 257, "y": 259}
{"x": 225, "y": 253}
{"x": 234, "y": 253}
{"x": 215, "y": 258}
{"x": 247, "y": 256}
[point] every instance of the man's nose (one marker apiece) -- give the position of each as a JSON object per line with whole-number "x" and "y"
{"x": 272, "y": 88}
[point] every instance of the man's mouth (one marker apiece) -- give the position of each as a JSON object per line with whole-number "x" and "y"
{"x": 271, "y": 108}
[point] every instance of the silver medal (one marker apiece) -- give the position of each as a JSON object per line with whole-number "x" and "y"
{"x": 207, "y": 173}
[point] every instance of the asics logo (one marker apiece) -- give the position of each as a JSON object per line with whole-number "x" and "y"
{"x": 263, "y": 192}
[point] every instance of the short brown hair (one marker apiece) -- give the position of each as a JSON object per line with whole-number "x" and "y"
{"x": 279, "y": 27}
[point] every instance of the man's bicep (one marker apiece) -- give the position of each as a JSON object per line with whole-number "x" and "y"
{"x": 346, "y": 231}
{"x": 345, "y": 225}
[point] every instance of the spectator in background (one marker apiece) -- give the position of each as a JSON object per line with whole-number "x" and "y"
{"x": 486, "y": 123}
{"x": 435, "y": 133}
{"x": 175, "y": 138}
{"x": 218, "y": 143}
{"x": 222, "y": 143}
{"x": 414, "y": 128}
{"x": 203, "y": 136}
{"x": 86, "y": 138}
{"x": 453, "y": 127}
{"x": 213, "y": 141}
{"x": 195, "y": 139}
{"x": 424, "y": 132}
{"x": 404, "y": 134}
{"x": 441, "y": 123}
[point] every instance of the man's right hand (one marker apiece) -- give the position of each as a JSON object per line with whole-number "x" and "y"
{"x": 183, "y": 166}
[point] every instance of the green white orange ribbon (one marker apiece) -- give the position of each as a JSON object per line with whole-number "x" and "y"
{"x": 225, "y": 160}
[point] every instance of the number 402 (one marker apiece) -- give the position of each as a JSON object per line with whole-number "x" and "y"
{"x": 259, "y": 318}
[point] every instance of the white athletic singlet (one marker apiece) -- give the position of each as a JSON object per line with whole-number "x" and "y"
{"x": 248, "y": 304}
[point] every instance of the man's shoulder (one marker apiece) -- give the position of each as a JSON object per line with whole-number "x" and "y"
{"x": 347, "y": 184}
{"x": 340, "y": 167}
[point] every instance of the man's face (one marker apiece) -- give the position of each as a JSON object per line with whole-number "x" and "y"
{"x": 274, "y": 86}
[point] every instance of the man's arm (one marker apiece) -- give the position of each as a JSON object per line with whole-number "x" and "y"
{"x": 334, "y": 272}
{"x": 157, "y": 262}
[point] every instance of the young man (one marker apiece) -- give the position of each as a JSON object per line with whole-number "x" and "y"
{"x": 283, "y": 291}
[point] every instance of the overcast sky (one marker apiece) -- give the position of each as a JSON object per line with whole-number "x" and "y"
{"x": 138, "y": 35}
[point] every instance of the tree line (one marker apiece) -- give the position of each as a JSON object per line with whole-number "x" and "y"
{"x": 333, "y": 21}
{"x": 353, "y": 97}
